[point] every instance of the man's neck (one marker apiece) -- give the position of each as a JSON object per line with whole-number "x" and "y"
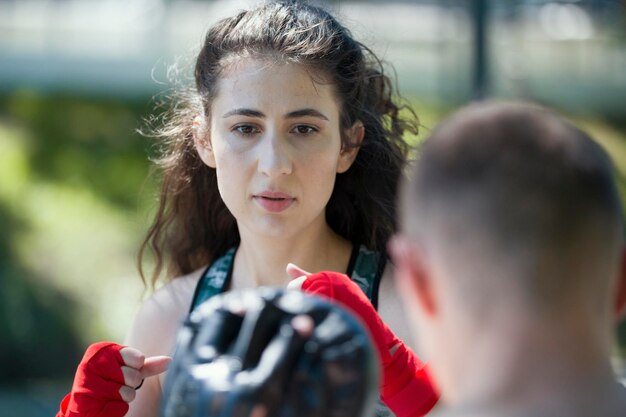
{"x": 609, "y": 403}
{"x": 535, "y": 365}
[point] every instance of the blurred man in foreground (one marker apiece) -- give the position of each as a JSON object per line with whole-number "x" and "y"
{"x": 512, "y": 262}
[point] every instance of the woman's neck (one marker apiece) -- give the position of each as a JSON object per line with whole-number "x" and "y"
{"x": 262, "y": 260}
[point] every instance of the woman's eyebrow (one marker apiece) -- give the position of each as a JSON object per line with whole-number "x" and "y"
{"x": 291, "y": 115}
{"x": 243, "y": 112}
{"x": 305, "y": 112}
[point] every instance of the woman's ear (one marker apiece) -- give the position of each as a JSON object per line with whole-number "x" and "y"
{"x": 349, "y": 152}
{"x": 202, "y": 141}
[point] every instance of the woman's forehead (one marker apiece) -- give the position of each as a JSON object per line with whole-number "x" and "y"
{"x": 259, "y": 82}
{"x": 251, "y": 61}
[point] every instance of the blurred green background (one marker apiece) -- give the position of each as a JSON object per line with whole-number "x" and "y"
{"x": 75, "y": 194}
{"x": 71, "y": 213}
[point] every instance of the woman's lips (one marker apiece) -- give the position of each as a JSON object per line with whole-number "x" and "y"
{"x": 274, "y": 202}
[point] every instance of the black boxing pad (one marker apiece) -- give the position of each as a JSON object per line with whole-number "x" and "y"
{"x": 238, "y": 352}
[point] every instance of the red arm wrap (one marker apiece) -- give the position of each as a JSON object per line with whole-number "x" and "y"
{"x": 95, "y": 392}
{"x": 406, "y": 386}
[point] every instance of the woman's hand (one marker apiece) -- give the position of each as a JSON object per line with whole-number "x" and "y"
{"x": 298, "y": 276}
{"x": 107, "y": 379}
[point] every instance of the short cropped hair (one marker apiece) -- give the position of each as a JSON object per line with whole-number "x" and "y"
{"x": 516, "y": 186}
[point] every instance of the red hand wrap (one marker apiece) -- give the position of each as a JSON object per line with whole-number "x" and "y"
{"x": 406, "y": 386}
{"x": 96, "y": 388}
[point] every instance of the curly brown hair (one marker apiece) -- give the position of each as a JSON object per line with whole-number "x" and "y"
{"x": 192, "y": 225}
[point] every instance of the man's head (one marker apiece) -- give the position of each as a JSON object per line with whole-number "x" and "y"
{"x": 509, "y": 211}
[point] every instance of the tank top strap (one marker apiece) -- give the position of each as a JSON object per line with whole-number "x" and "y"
{"x": 215, "y": 279}
{"x": 366, "y": 268}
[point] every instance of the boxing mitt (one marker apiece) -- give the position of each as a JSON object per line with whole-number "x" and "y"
{"x": 238, "y": 354}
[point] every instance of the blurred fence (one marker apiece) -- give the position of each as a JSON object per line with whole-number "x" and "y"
{"x": 566, "y": 53}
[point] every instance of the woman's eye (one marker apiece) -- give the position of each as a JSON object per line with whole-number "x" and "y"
{"x": 246, "y": 130}
{"x": 304, "y": 130}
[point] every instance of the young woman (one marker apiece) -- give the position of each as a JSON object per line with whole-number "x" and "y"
{"x": 289, "y": 151}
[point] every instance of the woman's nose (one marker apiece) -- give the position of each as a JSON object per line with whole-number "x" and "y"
{"x": 275, "y": 157}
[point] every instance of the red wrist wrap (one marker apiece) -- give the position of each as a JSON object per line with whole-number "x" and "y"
{"x": 96, "y": 388}
{"x": 408, "y": 390}
{"x": 406, "y": 386}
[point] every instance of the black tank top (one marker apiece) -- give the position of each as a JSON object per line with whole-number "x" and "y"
{"x": 365, "y": 268}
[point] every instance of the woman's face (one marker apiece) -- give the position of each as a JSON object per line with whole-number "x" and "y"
{"x": 274, "y": 139}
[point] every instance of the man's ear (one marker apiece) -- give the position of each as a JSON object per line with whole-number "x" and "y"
{"x": 620, "y": 296}
{"x": 413, "y": 274}
{"x": 349, "y": 152}
{"x": 202, "y": 141}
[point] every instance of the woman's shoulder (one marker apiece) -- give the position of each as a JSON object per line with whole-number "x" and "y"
{"x": 178, "y": 291}
{"x": 160, "y": 315}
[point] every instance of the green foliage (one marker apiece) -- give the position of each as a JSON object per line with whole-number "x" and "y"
{"x": 85, "y": 143}
{"x": 71, "y": 216}
{"x": 35, "y": 318}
